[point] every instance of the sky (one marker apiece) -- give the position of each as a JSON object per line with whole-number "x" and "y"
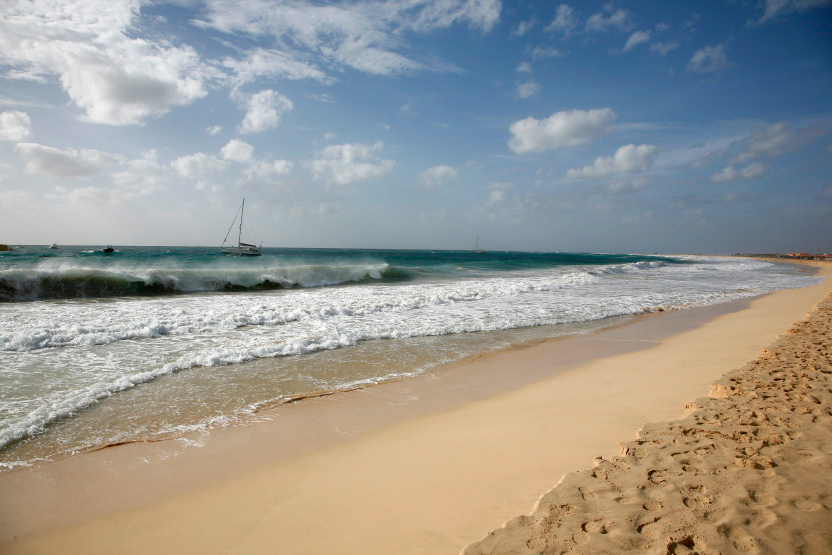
{"x": 670, "y": 127}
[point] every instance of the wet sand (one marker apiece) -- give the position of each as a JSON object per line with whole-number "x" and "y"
{"x": 394, "y": 468}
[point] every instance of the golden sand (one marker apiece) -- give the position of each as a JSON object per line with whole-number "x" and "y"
{"x": 748, "y": 470}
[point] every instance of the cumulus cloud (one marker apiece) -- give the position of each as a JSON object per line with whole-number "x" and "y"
{"x": 114, "y": 76}
{"x": 636, "y": 38}
{"x": 264, "y": 111}
{"x": 349, "y": 163}
{"x": 433, "y": 177}
{"x": 565, "y": 21}
{"x": 751, "y": 171}
{"x": 15, "y": 126}
{"x": 778, "y": 8}
{"x": 527, "y": 89}
{"x": 53, "y": 162}
{"x": 709, "y": 59}
{"x": 237, "y": 151}
{"x": 566, "y": 128}
{"x": 253, "y": 169}
{"x": 627, "y": 159}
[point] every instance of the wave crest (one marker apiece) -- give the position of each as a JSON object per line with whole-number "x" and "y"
{"x": 73, "y": 283}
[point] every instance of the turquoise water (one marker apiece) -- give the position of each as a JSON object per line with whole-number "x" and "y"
{"x": 35, "y": 273}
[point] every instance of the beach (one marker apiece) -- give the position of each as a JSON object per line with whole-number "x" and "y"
{"x": 352, "y": 473}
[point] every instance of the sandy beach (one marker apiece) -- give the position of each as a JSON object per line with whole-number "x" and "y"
{"x": 370, "y": 472}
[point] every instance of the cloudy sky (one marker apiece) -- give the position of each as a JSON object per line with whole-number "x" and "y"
{"x": 537, "y": 125}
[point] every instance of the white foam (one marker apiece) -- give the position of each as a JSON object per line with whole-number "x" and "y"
{"x": 87, "y": 351}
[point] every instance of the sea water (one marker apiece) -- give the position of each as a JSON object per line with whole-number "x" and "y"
{"x": 152, "y": 342}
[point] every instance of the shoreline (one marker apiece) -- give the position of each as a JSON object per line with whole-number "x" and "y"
{"x": 432, "y": 481}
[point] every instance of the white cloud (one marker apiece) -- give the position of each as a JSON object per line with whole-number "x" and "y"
{"x": 115, "y": 77}
{"x": 566, "y": 128}
{"x": 365, "y": 36}
{"x": 539, "y": 52}
{"x": 268, "y": 171}
{"x": 237, "y": 151}
{"x": 271, "y": 64}
{"x": 751, "y": 171}
{"x": 497, "y": 192}
{"x": 619, "y": 19}
{"x": 15, "y": 126}
{"x": 199, "y": 166}
{"x": 524, "y": 67}
{"x": 144, "y": 175}
{"x": 52, "y": 162}
{"x": 704, "y": 159}
{"x": 214, "y": 129}
{"x": 637, "y": 38}
{"x": 709, "y": 59}
{"x": 433, "y": 177}
{"x": 779, "y": 139}
{"x": 480, "y": 14}
{"x": 527, "y": 89}
{"x": 253, "y": 169}
{"x": 565, "y": 21}
{"x": 663, "y": 47}
{"x": 627, "y": 159}
{"x": 523, "y": 27}
{"x": 349, "y": 163}
{"x": 264, "y": 111}
{"x": 776, "y": 8}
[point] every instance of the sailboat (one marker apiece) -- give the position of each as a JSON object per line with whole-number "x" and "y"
{"x": 242, "y": 249}
{"x": 477, "y": 248}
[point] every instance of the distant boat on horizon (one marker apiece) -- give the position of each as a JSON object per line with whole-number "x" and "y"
{"x": 477, "y": 248}
{"x": 53, "y": 246}
{"x": 108, "y": 249}
{"x": 242, "y": 249}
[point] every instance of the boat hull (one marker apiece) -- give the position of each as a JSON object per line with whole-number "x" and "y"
{"x": 241, "y": 251}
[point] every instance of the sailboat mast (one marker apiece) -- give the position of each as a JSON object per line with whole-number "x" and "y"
{"x": 240, "y": 234}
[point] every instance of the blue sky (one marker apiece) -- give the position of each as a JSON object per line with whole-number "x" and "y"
{"x": 679, "y": 127}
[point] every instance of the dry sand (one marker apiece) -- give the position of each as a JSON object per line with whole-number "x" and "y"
{"x": 749, "y": 469}
{"x": 434, "y": 483}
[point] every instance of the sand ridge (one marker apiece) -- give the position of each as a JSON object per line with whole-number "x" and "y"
{"x": 748, "y": 469}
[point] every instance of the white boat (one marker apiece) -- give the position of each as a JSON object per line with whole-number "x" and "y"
{"x": 53, "y": 246}
{"x": 477, "y": 248}
{"x": 242, "y": 249}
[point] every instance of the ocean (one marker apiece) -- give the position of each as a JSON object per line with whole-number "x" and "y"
{"x": 153, "y": 342}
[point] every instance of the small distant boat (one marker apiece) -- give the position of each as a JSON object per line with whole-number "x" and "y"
{"x": 242, "y": 249}
{"x": 477, "y": 248}
{"x": 108, "y": 249}
{"x": 53, "y": 246}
